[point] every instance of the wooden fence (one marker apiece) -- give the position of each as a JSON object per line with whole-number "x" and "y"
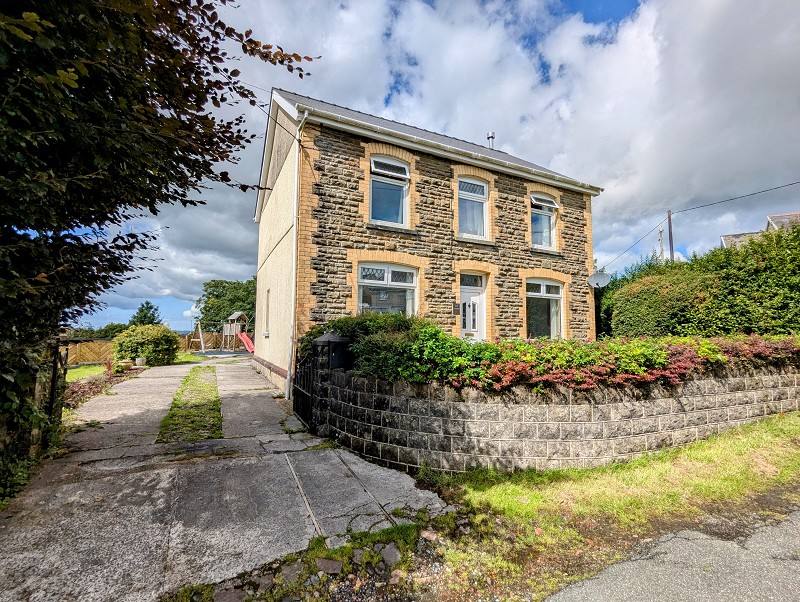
{"x": 100, "y": 350}
{"x": 88, "y": 352}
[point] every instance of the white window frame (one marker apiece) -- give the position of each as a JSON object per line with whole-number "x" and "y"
{"x": 474, "y": 197}
{"x": 543, "y": 294}
{"x": 387, "y": 177}
{"x": 387, "y": 281}
{"x": 549, "y": 209}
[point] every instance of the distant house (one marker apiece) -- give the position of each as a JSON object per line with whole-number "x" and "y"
{"x": 360, "y": 213}
{"x": 773, "y": 223}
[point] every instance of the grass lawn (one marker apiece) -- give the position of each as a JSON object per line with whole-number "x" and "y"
{"x": 530, "y": 533}
{"x": 195, "y": 413}
{"x": 79, "y": 372}
{"x": 185, "y": 357}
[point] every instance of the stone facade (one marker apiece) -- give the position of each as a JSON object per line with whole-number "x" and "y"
{"x": 335, "y": 235}
{"x": 406, "y": 426}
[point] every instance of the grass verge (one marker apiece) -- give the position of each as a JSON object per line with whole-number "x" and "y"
{"x": 530, "y": 533}
{"x": 195, "y": 413}
{"x": 80, "y": 372}
{"x": 185, "y": 357}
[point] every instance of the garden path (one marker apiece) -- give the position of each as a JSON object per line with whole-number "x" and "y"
{"x": 121, "y": 517}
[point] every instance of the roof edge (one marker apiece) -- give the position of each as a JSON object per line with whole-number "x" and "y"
{"x": 361, "y": 127}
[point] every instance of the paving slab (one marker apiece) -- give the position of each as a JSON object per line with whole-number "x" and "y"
{"x": 125, "y": 518}
{"x": 90, "y": 540}
{"x": 338, "y": 499}
{"x": 230, "y": 514}
{"x": 248, "y": 407}
{"x": 693, "y": 567}
{"x": 393, "y": 490}
{"x": 131, "y": 412}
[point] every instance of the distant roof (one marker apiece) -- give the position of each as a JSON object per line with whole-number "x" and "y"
{"x": 427, "y": 138}
{"x": 730, "y": 241}
{"x": 783, "y": 220}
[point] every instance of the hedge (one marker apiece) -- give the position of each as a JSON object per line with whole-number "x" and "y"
{"x": 416, "y": 350}
{"x": 754, "y": 289}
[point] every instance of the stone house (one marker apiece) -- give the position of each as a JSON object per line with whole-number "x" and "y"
{"x": 774, "y": 222}
{"x": 360, "y": 213}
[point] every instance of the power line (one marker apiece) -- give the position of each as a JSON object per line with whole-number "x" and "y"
{"x": 633, "y": 245}
{"x": 736, "y": 198}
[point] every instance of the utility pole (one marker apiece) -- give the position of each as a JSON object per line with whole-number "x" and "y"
{"x": 669, "y": 229}
{"x": 661, "y": 242}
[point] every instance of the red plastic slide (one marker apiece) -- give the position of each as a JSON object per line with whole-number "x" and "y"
{"x": 248, "y": 344}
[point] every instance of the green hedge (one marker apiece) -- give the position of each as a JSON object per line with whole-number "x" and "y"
{"x": 416, "y": 350}
{"x": 754, "y": 289}
{"x": 156, "y": 343}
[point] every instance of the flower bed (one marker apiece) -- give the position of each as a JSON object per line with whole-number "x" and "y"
{"x": 396, "y": 347}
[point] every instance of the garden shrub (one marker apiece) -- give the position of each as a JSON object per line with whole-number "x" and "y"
{"x": 416, "y": 350}
{"x": 664, "y": 304}
{"x": 156, "y": 343}
{"x": 754, "y": 289}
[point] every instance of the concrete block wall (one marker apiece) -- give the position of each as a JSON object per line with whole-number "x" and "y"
{"x": 405, "y": 426}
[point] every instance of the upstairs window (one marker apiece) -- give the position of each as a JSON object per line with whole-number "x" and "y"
{"x": 387, "y": 289}
{"x": 543, "y": 221}
{"x": 389, "y": 192}
{"x": 472, "y": 208}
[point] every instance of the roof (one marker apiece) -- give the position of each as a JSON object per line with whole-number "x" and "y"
{"x": 731, "y": 241}
{"x": 783, "y": 220}
{"x": 434, "y": 143}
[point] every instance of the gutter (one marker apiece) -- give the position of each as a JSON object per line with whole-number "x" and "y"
{"x": 451, "y": 152}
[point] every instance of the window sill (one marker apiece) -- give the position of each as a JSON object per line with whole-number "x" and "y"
{"x": 396, "y": 229}
{"x": 476, "y": 241}
{"x": 547, "y": 251}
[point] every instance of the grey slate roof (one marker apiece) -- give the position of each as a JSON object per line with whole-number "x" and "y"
{"x": 782, "y": 220}
{"x": 456, "y": 144}
{"x": 730, "y": 241}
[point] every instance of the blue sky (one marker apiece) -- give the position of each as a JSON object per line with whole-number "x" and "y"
{"x": 666, "y": 104}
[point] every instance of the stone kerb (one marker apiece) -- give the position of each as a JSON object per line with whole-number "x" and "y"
{"x": 407, "y": 426}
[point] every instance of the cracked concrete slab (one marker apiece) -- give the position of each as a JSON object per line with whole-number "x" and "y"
{"x": 85, "y": 540}
{"x": 338, "y": 499}
{"x": 230, "y": 514}
{"x": 125, "y": 518}
{"x": 248, "y": 408}
{"x": 693, "y": 567}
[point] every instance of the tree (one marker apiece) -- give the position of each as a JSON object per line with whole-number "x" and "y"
{"x": 221, "y": 298}
{"x": 86, "y": 331}
{"x": 146, "y": 314}
{"x": 105, "y": 115}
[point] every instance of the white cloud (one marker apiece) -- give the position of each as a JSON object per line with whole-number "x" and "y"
{"x": 680, "y": 104}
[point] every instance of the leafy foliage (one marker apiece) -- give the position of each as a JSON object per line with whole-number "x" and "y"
{"x": 109, "y": 331}
{"x": 146, "y": 313}
{"x": 156, "y": 343}
{"x": 416, "y": 350}
{"x": 221, "y": 298}
{"x": 106, "y": 115}
{"x": 751, "y": 289}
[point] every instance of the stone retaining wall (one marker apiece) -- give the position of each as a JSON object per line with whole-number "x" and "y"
{"x": 406, "y": 426}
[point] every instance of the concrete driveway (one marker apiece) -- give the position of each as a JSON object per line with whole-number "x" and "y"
{"x": 123, "y": 518}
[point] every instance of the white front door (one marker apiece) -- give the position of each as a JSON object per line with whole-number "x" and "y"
{"x": 473, "y": 313}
